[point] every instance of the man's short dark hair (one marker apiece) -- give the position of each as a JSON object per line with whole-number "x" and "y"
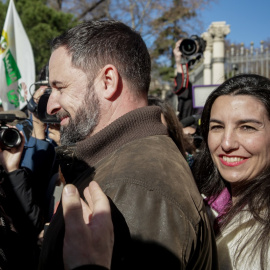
{"x": 94, "y": 44}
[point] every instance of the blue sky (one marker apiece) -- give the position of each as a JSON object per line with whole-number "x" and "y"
{"x": 249, "y": 20}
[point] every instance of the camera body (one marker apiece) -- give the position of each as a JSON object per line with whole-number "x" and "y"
{"x": 42, "y": 108}
{"x": 192, "y": 46}
{"x": 9, "y": 137}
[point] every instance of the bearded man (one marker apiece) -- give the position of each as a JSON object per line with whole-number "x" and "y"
{"x": 100, "y": 76}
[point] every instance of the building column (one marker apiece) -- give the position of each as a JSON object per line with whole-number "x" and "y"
{"x": 207, "y": 71}
{"x": 218, "y": 31}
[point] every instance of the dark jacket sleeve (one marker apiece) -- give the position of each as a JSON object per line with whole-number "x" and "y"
{"x": 180, "y": 90}
{"x": 177, "y": 82}
{"x": 21, "y": 207}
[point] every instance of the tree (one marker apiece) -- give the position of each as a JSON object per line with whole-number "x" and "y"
{"x": 41, "y": 24}
{"x": 160, "y": 22}
{"x": 3, "y": 8}
{"x": 177, "y": 21}
{"x": 82, "y": 9}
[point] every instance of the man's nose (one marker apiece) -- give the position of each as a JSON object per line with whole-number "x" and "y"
{"x": 53, "y": 105}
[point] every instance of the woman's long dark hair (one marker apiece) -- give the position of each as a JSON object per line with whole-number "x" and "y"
{"x": 253, "y": 195}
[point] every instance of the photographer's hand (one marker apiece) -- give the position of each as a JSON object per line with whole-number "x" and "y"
{"x": 89, "y": 233}
{"x": 10, "y": 158}
{"x": 38, "y": 126}
{"x": 39, "y": 93}
{"x": 178, "y": 56}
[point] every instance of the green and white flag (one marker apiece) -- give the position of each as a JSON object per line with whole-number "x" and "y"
{"x": 17, "y": 66}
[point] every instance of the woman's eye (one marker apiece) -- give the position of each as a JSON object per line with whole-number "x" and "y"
{"x": 216, "y": 127}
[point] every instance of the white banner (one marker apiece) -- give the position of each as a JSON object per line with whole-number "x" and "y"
{"x": 17, "y": 66}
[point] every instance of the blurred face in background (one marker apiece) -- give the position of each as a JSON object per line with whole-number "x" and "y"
{"x": 239, "y": 137}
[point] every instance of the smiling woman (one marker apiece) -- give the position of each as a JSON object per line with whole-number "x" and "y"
{"x": 238, "y": 138}
{"x": 233, "y": 170}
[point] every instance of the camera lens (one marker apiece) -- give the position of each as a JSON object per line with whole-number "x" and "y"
{"x": 188, "y": 47}
{"x": 10, "y": 137}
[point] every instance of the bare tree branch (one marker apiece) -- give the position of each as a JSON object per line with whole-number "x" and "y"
{"x": 91, "y": 8}
{"x": 59, "y": 2}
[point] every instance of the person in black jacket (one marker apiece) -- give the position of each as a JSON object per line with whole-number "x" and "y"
{"x": 22, "y": 218}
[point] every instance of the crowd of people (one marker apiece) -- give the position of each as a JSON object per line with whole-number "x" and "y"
{"x": 137, "y": 192}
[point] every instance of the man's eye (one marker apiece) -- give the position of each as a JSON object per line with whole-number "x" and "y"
{"x": 248, "y": 128}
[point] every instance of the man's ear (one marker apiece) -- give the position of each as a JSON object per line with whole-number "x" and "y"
{"x": 110, "y": 80}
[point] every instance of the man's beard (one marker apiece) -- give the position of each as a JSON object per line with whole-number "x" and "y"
{"x": 86, "y": 119}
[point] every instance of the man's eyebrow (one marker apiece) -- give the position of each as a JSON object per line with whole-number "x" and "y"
{"x": 55, "y": 83}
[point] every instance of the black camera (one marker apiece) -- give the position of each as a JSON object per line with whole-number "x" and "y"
{"x": 9, "y": 137}
{"x": 193, "y": 45}
{"x": 42, "y": 108}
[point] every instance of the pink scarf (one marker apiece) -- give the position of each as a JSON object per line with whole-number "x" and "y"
{"x": 219, "y": 204}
